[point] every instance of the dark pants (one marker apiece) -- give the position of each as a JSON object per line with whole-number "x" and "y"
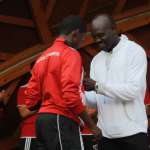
{"x": 30, "y": 143}
{"x": 56, "y": 132}
{"x": 134, "y": 142}
{"x": 27, "y": 143}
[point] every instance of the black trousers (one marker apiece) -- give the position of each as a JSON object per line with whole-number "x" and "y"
{"x": 30, "y": 143}
{"x": 56, "y": 132}
{"x": 135, "y": 142}
{"x": 27, "y": 143}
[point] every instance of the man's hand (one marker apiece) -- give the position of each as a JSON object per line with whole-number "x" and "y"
{"x": 97, "y": 133}
{"x": 89, "y": 84}
{"x": 2, "y": 95}
{"x": 24, "y": 111}
{"x": 91, "y": 125}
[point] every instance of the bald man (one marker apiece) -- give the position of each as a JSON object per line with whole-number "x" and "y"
{"x": 117, "y": 88}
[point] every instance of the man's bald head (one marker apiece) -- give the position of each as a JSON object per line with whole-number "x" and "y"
{"x": 104, "y": 32}
{"x": 104, "y": 20}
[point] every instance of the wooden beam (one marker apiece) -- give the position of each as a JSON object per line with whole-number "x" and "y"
{"x": 39, "y": 16}
{"x": 17, "y": 21}
{"x": 105, "y": 5}
{"x": 50, "y": 7}
{"x": 9, "y": 91}
{"x": 148, "y": 53}
{"x": 23, "y": 55}
{"x": 84, "y": 7}
{"x": 5, "y": 56}
{"x": 19, "y": 65}
{"x": 133, "y": 38}
{"x": 119, "y": 6}
{"x": 12, "y": 74}
{"x": 136, "y": 21}
{"x": 132, "y": 12}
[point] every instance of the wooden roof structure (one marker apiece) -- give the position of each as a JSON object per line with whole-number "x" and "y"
{"x": 27, "y": 27}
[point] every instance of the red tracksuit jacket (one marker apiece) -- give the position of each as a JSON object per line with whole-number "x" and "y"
{"x": 27, "y": 125}
{"x": 56, "y": 81}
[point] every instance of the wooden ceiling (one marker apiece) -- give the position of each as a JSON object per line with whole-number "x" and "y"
{"x": 28, "y": 27}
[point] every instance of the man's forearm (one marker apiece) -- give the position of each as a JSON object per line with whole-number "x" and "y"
{"x": 88, "y": 121}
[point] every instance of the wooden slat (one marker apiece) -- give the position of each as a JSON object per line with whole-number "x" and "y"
{"x": 148, "y": 53}
{"x": 104, "y": 5}
{"x": 39, "y": 16}
{"x": 132, "y": 12}
{"x": 84, "y": 7}
{"x": 119, "y": 6}
{"x": 133, "y": 38}
{"x": 22, "y": 55}
{"x": 12, "y": 74}
{"x": 136, "y": 21}
{"x": 49, "y": 8}
{"x": 16, "y": 66}
{"x": 16, "y": 21}
{"x": 5, "y": 56}
{"x": 9, "y": 91}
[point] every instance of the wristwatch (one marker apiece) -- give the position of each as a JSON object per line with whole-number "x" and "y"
{"x": 96, "y": 88}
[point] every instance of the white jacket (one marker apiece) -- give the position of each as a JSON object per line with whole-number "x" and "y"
{"x": 121, "y": 80}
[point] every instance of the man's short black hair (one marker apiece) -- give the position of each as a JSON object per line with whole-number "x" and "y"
{"x": 72, "y": 23}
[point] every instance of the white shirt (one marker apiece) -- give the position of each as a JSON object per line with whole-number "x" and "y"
{"x": 121, "y": 80}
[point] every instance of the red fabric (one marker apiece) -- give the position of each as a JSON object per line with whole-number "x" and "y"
{"x": 28, "y": 125}
{"x": 86, "y": 130}
{"x": 147, "y": 98}
{"x": 57, "y": 73}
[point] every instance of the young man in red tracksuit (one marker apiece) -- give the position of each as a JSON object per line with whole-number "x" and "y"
{"x": 56, "y": 82}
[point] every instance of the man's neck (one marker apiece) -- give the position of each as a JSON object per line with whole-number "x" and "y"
{"x": 113, "y": 45}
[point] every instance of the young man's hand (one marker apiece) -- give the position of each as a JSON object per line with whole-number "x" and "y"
{"x": 25, "y": 112}
{"x": 97, "y": 133}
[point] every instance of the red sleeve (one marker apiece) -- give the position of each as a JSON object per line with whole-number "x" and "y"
{"x": 71, "y": 81}
{"x": 20, "y": 95}
{"x": 147, "y": 98}
{"x": 33, "y": 91}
